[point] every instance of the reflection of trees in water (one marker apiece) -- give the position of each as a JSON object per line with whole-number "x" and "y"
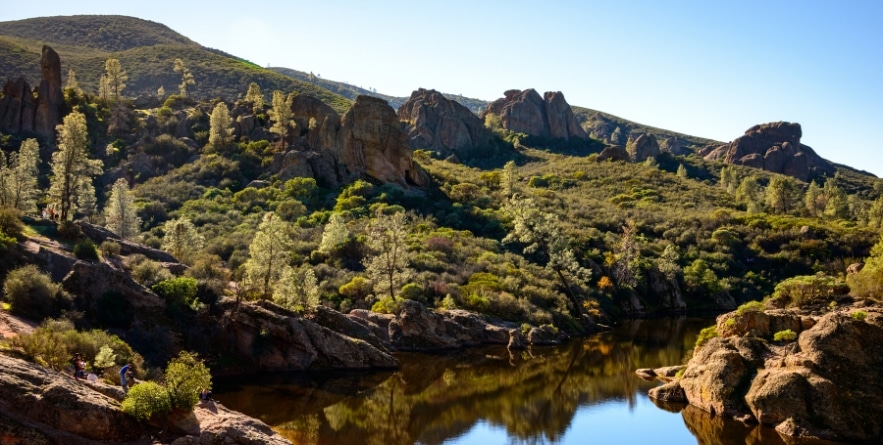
{"x": 533, "y": 395}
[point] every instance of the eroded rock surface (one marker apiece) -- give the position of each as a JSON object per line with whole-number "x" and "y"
{"x": 434, "y": 122}
{"x": 526, "y": 112}
{"x": 773, "y": 147}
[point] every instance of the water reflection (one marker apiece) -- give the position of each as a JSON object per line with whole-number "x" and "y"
{"x": 536, "y": 396}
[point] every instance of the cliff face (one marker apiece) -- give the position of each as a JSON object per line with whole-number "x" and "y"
{"x": 434, "y": 122}
{"x": 367, "y": 141}
{"x": 773, "y": 147}
{"x": 22, "y": 111}
{"x": 526, "y": 112}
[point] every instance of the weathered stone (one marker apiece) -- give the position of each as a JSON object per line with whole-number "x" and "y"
{"x": 773, "y": 147}
{"x": 614, "y": 153}
{"x": 669, "y": 392}
{"x": 17, "y": 107}
{"x": 100, "y": 234}
{"x": 643, "y": 148}
{"x": 527, "y": 112}
{"x": 50, "y": 105}
{"x": 434, "y": 122}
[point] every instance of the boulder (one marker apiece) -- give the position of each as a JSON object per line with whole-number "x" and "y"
{"x": 526, "y": 112}
{"x": 669, "y": 392}
{"x": 773, "y": 147}
{"x": 825, "y": 385}
{"x": 371, "y": 141}
{"x": 100, "y": 234}
{"x": 50, "y": 106}
{"x": 434, "y": 122}
{"x": 614, "y": 153}
{"x": 643, "y": 148}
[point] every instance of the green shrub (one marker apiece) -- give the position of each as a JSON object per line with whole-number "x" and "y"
{"x": 69, "y": 230}
{"x": 751, "y": 306}
{"x": 53, "y": 343}
{"x": 705, "y": 335}
{"x": 786, "y": 335}
{"x": 10, "y": 222}
{"x": 185, "y": 377}
{"x": 109, "y": 248}
{"x": 859, "y": 315}
{"x": 387, "y": 305}
{"x": 85, "y": 250}
{"x": 148, "y": 272}
{"x": 803, "y": 290}
{"x": 32, "y": 293}
{"x": 179, "y": 292}
{"x": 412, "y": 291}
{"x": 146, "y": 400}
{"x": 6, "y": 241}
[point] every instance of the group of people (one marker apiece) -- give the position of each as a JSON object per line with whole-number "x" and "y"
{"x": 127, "y": 376}
{"x": 50, "y": 213}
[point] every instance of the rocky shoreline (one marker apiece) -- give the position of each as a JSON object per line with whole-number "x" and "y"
{"x": 823, "y": 382}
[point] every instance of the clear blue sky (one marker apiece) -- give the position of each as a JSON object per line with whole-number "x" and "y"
{"x": 707, "y": 68}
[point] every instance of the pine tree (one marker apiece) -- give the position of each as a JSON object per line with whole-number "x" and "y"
{"x": 181, "y": 239}
{"x": 268, "y": 254}
{"x": 782, "y": 194}
{"x": 335, "y": 234}
{"x": 221, "y": 130}
{"x": 116, "y": 79}
{"x": 837, "y": 205}
{"x": 749, "y": 194}
{"x": 256, "y": 97}
{"x": 18, "y": 178}
{"x": 72, "y": 83}
{"x": 814, "y": 200}
{"x": 187, "y": 79}
{"x": 388, "y": 266}
{"x": 281, "y": 115}
{"x": 510, "y": 179}
{"x": 297, "y": 290}
{"x": 682, "y": 171}
{"x": 72, "y": 169}
{"x": 120, "y": 212}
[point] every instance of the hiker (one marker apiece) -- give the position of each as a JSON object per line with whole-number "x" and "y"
{"x": 205, "y": 395}
{"x": 79, "y": 366}
{"x": 124, "y": 371}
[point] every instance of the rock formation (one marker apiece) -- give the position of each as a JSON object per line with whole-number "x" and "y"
{"x": 613, "y": 153}
{"x": 40, "y": 406}
{"x": 434, "y": 122}
{"x": 526, "y": 112}
{"x": 367, "y": 141}
{"x": 50, "y": 98}
{"x": 826, "y": 384}
{"x": 643, "y": 148}
{"x": 22, "y": 112}
{"x": 773, "y": 147}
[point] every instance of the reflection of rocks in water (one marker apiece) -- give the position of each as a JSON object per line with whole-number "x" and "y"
{"x": 716, "y": 430}
{"x": 672, "y": 407}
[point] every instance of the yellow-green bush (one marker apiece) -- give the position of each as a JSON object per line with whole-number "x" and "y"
{"x": 786, "y": 335}
{"x": 146, "y": 400}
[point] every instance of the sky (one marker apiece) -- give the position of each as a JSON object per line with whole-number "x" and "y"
{"x": 705, "y": 68}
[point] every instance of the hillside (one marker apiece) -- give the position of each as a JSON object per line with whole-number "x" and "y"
{"x": 351, "y": 91}
{"x": 146, "y": 50}
{"x": 603, "y": 126}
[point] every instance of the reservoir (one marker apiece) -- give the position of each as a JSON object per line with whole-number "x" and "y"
{"x": 584, "y": 391}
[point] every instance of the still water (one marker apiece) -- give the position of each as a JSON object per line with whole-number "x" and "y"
{"x": 583, "y": 392}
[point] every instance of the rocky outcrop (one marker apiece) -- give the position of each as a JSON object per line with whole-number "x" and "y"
{"x": 23, "y": 112}
{"x": 825, "y": 384}
{"x": 643, "y": 148}
{"x": 614, "y": 153}
{"x": 526, "y": 112}
{"x": 416, "y": 328}
{"x": 41, "y": 406}
{"x": 100, "y": 234}
{"x": 50, "y": 99}
{"x": 773, "y": 147}
{"x": 434, "y": 122}
{"x": 270, "y": 338}
{"x": 367, "y": 141}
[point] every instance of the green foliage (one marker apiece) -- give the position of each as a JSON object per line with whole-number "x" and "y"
{"x": 803, "y": 290}
{"x": 10, "y": 222}
{"x": 31, "y": 293}
{"x": 109, "y": 248}
{"x": 147, "y": 400}
{"x": 859, "y": 315}
{"x": 412, "y": 291}
{"x": 181, "y": 289}
{"x": 387, "y": 305}
{"x": 54, "y": 342}
{"x": 185, "y": 376}
{"x": 704, "y": 335}
{"x": 784, "y": 336}
{"x": 147, "y": 272}
{"x": 751, "y": 306}
{"x": 85, "y": 250}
